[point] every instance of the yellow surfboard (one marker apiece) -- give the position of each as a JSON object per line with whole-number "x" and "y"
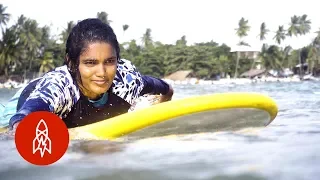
{"x": 197, "y": 114}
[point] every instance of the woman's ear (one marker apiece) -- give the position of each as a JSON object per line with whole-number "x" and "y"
{"x": 66, "y": 58}
{"x": 68, "y": 62}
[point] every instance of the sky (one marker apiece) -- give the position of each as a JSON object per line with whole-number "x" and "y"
{"x": 169, "y": 20}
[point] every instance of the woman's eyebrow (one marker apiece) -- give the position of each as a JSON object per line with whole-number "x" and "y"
{"x": 90, "y": 59}
{"x": 93, "y": 59}
{"x": 112, "y": 57}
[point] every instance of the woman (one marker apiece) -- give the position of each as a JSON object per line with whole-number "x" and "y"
{"x": 93, "y": 85}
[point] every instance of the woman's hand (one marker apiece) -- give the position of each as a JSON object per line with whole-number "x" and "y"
{"x": 168, "y": 96}
{"x": 15, "y": 126}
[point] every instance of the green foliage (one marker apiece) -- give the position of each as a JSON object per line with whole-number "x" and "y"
{"x": 26, "y": 47}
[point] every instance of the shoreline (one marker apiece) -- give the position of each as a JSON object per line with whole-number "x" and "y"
{"x": 10, "y": 84}
{"x": 225, "y": 81}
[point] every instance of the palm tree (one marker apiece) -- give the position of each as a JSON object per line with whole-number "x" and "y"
{"x": 282, "y": 55}
{"x": 243, "y": 28}
{"x": 317, "y": 38}
{"x": 65, "y": 33}
{"x": 9, "y": 50}
{"x": 286, "y": 61}
{"x": 263, "y": 56}
{"x": 263, "y": 31}
{"x": 147, "y": 39}
{"x": 45, "y": 38}
{"x": 272, "y": 57}
{"x": 182, "y": 41}
{"x": 103, "y": 16}
{"x": 125, "y": 27}
{"x": 294, "y": 27}
{"x": 305, "y": 25}
{"x": 47, "y": 63}
{"x": 262, "y": 36}
{"x": 20, "y": 22}
{"x": 299, "y": 26}
{"x": 280, "y": 35}
{"x": 294, "y": 30}
{"x": 30, "y": 36}
{"x": 241, "y": 31}
{"x": 315, "y": 52}
{"x": 4, "y": 17}
{"x": 63, "y": 38}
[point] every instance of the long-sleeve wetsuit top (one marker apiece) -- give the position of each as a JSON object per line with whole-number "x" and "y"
{"x": 59, "y": 93}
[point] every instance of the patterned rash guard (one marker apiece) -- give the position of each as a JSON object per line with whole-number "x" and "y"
{"x": 57, "y": 92}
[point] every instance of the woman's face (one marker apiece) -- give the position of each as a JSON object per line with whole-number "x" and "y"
{"x": 98, "y": 66}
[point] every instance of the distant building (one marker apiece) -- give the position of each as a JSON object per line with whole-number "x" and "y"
{"x": 181, "y": 75}
{"x": 254, "y": 73}
{"x": 247, "y": 52}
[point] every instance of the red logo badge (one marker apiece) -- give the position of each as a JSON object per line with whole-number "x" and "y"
{"x": 42, "y": 138}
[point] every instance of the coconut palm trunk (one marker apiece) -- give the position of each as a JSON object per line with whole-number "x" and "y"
{"x": 241, "y": 31}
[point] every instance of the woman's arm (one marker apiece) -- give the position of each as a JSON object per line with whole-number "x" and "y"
{"x": 31, "y": 105}
{"x": 55, "y": 92}
{"x": 153, "y": 85}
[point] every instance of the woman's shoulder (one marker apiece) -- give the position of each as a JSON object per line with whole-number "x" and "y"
{"x": 58, "y": 81}
{"x": 59, "y": 76}
{"x": 58, "y": 72}
{"x": 127, "y": 83}
{"x": 126, "y": 65}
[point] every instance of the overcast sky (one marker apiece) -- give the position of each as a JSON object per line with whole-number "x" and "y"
{"x": 199, "y": 20}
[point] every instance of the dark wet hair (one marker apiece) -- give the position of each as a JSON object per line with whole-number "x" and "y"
{"x": 85, "y": 32}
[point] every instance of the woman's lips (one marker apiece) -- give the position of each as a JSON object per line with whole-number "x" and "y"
{"x": 100, "y": 82}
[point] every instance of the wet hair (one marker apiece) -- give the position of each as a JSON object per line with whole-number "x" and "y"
{"x": 85, "y": 32}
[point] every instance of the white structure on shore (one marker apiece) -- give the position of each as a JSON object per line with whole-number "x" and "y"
{"x": 241, "y": 80}
{"x": 13, "y": 84}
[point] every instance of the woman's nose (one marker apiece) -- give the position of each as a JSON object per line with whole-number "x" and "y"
{"x": 101, "y": 70}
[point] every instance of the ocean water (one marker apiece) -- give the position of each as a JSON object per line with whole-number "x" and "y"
{"x": 287, "y": 149}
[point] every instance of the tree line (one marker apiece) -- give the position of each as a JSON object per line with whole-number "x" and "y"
{"x": 27, "y": 47}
